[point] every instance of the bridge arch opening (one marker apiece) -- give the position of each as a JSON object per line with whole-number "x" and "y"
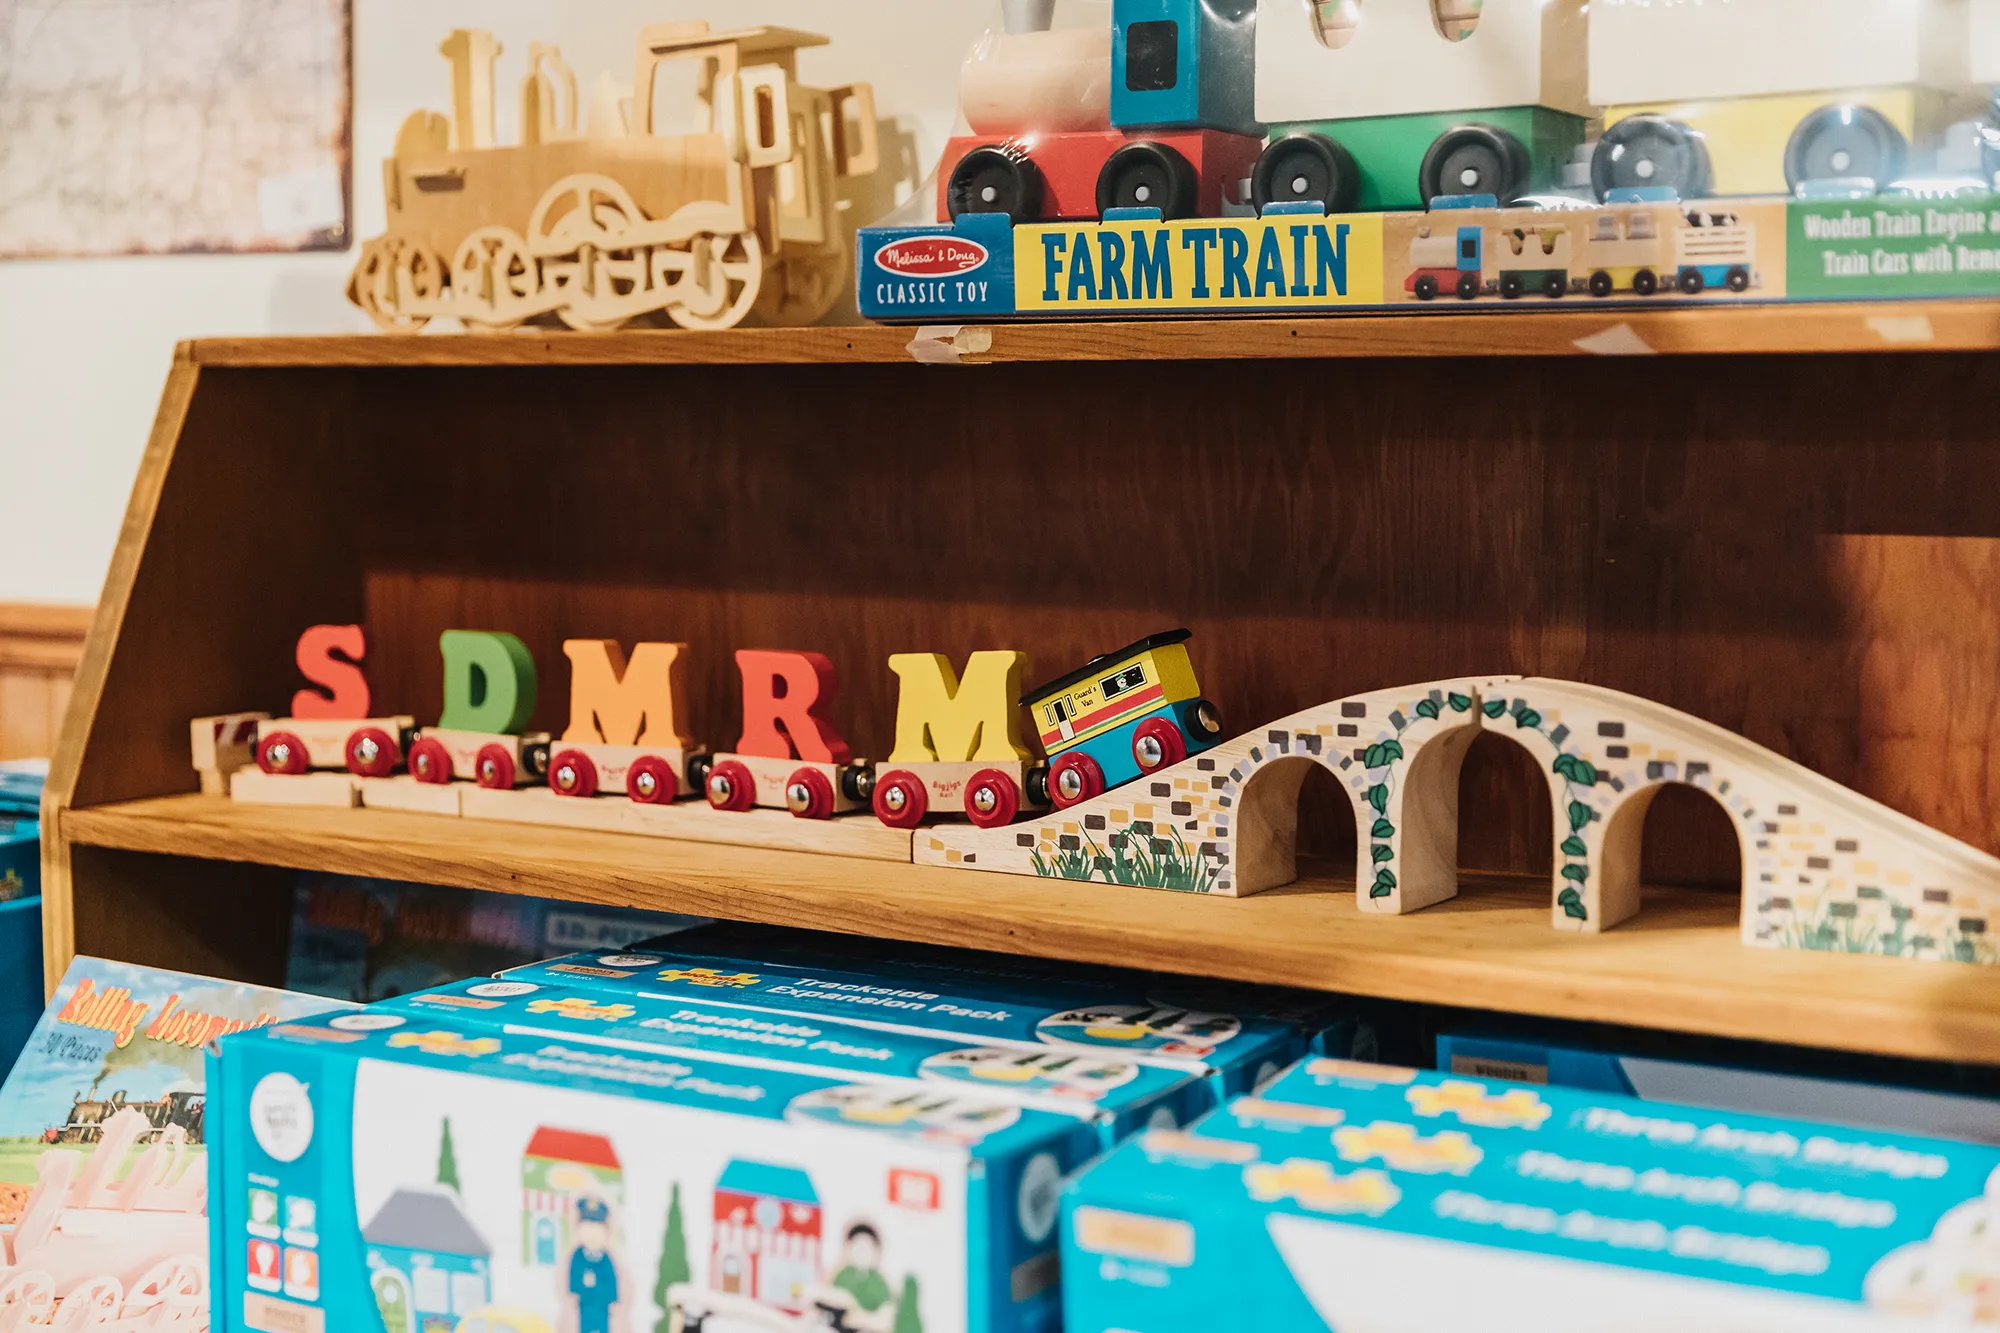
{"x": 1672, "y": 835}
{"x": 1290, "y": 806}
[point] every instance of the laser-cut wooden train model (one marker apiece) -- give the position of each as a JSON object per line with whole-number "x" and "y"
{"x": 1132, "y": 781}
{"x": 601, "y": 220}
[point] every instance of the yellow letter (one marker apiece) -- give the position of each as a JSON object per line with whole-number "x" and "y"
{"x": 622, "y": 705}
{"x": 938, "y": 717}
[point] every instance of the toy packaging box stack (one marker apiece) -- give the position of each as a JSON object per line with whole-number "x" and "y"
{"x": 1723, "y": 1087}
{"x": 1356, "y": 1197}
{"x": 104, "y": 1147}
{"x": 1117, "y": 1096}
{"x": 381, "y": 1171}
{"x": 1161, "y": 157}
{"x": 1232, "y": 1051}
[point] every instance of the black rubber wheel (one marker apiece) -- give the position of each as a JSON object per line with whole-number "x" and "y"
{"x": 1692, "y": 282}
{"x": 1474, "y": 159}
{"x": 1737, "y": 279}
{"x": 1302, "y": 167}
{"x": 1600, "y": 284}
{"x": 1426, "y": 287}
{"x": 1468, "y": 286}
{"x": 996, "y": 179}
{"x": 1148, "y": 175}
{"x": 1555, "y": 286}
{"x": 1645, "y": 282}
{"x": 1650, "y": 151}
{"x": 1845, "y": 143}
{"x": 1512, "y": 285}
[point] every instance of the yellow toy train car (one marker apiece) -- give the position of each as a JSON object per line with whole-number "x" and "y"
{"x": 1120, "y": 716}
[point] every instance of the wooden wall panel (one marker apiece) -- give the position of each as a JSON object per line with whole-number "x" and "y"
{"x": 1801, "y": 549}
{"x": 40, "y": 647}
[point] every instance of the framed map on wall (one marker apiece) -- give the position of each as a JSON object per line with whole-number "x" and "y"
{"x": 162, "y": 126}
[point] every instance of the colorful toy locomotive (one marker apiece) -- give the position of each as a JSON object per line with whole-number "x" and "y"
{"x": 1394, "y": 106}
{"x": 958, "y": 750}
{"x": 1121, "y": 716}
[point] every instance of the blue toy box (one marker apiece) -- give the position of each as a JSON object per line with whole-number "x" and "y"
{"x": 1363, "y": 1198}
{"x": 1234, "y": 1052}
{"x": 1116, "y": 1096}
{"x": 1910, "y": 1110}
{"x": 378, "y": 1171}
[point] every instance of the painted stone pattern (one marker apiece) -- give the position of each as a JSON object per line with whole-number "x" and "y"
{"x": 1823, "y": 867}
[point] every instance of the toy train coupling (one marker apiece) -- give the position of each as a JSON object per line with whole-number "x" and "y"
{"x": 857, "y": 781}
{"x": 698, "y": 766}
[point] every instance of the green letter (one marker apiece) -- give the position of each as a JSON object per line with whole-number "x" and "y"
{"x": 489, "y": 682}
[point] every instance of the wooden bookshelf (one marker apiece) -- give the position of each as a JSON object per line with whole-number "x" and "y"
{"x": 1798, "y": 545}
{"x": 1681, "y": 966}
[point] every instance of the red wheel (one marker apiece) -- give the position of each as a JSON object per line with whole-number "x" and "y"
{"x": 992, "y": 798}
{"x": 651, "y": 781}
{"x": 283, "y": 752}
{"x": 730, "y": 786}
{"x": 572, "y": 774}
{"x": 1074, "y": 777}
{"x": 371, "y": 753}
{"x": 493, "y": 766}
{"x": 808, "y": 794}
{"x": 1156, "y": 743}
{"x": 902, "y": 799}
{"x": 430, "y": 761}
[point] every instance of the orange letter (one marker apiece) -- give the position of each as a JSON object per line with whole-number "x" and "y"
{"x": 330, "y": 656}
{"x": 784, "y": 697}
{"x": 620, "y": 704}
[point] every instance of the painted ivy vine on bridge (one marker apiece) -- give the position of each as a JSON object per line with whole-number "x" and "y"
{"x": 1579, "y": 777}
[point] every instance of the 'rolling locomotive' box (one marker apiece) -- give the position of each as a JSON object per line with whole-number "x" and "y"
{"x": 376, "y": 1171}
{"x": 1115, "y": 1095}
{"x": 1234, "y": 1052}
{"x": 1360, "y": 1197}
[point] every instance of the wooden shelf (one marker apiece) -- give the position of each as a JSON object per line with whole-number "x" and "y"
{"x": 1679, "y": 966}
{"x": 1574, "y": 330}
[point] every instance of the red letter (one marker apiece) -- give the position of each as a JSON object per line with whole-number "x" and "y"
{"x": 330, "y": 656}
{"x": 784, "y": 695}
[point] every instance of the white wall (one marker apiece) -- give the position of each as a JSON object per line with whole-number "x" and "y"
{"x": 84, "y": 344}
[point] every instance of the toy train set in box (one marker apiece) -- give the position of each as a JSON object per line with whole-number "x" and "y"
{"x": 1137, "y": 783}
{"x": 1263, "y": 156}
{"x": 452, "y": 1175}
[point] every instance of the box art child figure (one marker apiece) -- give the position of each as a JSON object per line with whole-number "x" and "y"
{"x": 593, "y": 1273}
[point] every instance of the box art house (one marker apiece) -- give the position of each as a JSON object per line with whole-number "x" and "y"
{"x": 560, "y": 1167}
{"x": 767, "y": 1234}
{"x": 427, "y": 1263}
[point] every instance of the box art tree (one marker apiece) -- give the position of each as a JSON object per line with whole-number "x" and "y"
{"x": 908, "y": 1320}
{"x": 447, "y": 1159}
{"x": 673, "y": 1262}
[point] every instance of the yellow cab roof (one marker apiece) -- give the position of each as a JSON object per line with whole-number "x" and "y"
{"x": 665, "y": 38}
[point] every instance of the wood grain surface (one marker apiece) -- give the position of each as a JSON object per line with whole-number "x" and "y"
{"x": 1801, "y": 549}
{"x": 1582, "y": 330}
{"x": 1678, "y": 965}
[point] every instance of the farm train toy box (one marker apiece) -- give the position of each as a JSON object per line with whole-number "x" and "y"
{"x": 422, "y": 1175}
{"x": 1232, "y": 1052}
{"x": 1262, "y": 156}
{"x": 1364, "y": 1199}
{"x": 1115, "y": 1095}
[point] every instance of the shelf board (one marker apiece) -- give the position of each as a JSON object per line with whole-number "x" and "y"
{"x": 1573, "y": 330}
{"x": 1678, "y": 966}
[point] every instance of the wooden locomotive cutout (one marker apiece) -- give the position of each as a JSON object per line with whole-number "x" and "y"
{"x": 600, "y": 226}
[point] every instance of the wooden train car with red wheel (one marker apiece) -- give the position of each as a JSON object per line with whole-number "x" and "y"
{"x": 369, "y": 747}
{"x": 500, "y": 762}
